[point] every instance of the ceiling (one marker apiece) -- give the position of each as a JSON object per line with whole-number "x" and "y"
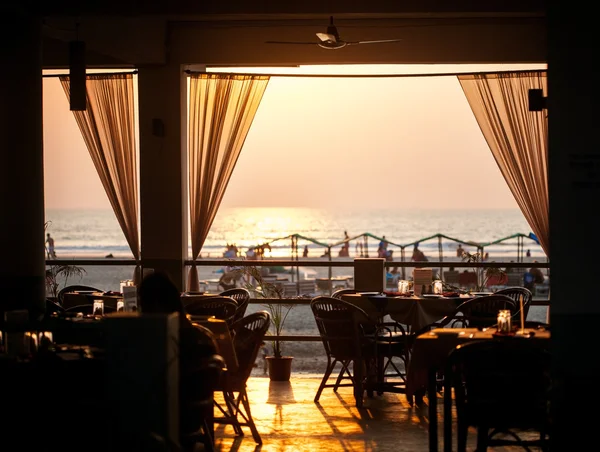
{"x": 133, "y": 33}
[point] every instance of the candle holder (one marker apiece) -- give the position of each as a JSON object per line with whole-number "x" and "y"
{"x": 403, "y": 286}
{"x": 504, "y": 325}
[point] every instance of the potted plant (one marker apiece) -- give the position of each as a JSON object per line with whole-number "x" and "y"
{"x": 279, "y": 365}
{"x": 59, "y": 271}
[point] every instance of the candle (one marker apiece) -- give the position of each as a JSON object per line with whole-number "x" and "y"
{"x": 522, "y": 313}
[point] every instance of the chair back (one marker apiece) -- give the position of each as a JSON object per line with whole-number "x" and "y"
{"x": 242, "y": 297}
{"x": 221, "y": 307}
{"x": 341, "y": 327}
{"x": 482, "y": 312}
{"x": 249, "y": 333}
{"x": 500, "y": 383}
{"x": 515, "y": 293}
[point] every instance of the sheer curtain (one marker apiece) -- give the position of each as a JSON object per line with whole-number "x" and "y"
{"x": 108, "y": 129}
{"x": 517, "y": 137}
{"x": 221, "y": 110}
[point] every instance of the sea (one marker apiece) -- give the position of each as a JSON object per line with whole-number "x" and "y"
{"x": 96, "y": 233}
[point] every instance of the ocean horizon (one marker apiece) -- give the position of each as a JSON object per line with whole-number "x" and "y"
{"x": 95, "y": 233}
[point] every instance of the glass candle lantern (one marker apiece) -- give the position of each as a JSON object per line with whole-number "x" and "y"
{"x": 403, "y": 286}
{"x": 98, "y": 308}
{"x": 504, "y": 321}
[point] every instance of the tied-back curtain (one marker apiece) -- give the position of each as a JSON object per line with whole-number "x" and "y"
{"x": 221, "y": 110}
{"x": 108, "y": 129}
{"x": 517, "y": 137}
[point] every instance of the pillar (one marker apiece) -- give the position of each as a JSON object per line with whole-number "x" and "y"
{"x": 163, "y": 211}
{"x": 22, "y": 267}
{"x": 574, "y": 184}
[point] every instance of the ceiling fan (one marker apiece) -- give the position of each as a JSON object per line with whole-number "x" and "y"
{"x": 331, "y": 39}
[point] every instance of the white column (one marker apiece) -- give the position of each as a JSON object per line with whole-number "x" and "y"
{"x": 162, "y": 176}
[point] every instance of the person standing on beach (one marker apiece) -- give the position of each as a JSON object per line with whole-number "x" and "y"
{"x": 50, "y": 248}
{"x": 460, "y": 250}
{"x": 305, "y": 252}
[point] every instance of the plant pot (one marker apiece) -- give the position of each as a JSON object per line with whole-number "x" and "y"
{"x": 280, "y": 369}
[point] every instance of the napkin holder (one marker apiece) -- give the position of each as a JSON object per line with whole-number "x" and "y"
{"x": 369, "y": 275}
{"x": 422, "y": 281}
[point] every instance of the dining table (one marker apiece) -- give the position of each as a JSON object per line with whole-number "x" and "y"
{"x": 71, "y": 299}
{"x": 429, "y": 354}
{"x": 413, "y": 311}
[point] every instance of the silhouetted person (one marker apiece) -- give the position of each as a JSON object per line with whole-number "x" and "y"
{"x": 305, "y": 252}
{"x": 460, "y": 250}
{"x": 50, "y": 248}
{"x": 157, "y": 294}
{"x": 418, "y": 255}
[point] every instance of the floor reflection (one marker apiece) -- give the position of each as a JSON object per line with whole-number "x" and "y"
{"x": 289, "y": 420}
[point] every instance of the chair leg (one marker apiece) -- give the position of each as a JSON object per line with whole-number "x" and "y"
{"x": 461, "y": 435}
{"x": 232, "y": 412}
{"x": 208, "y": 439}
{"x": 482, "y": 438}
{"x": 344, "y": 373}
{"x": 330, "y": 366}
{"x": 249, "y": 420}
{"x": 358, "y": 382}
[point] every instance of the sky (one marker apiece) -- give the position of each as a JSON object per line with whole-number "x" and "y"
{"x": 405, "y": 143}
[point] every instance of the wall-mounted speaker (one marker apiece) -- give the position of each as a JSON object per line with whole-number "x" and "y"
{"x": 77, "y": 74}
{"x": 537, "y": 101}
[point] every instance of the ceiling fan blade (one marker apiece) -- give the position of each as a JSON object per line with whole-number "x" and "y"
{"x": 380, "y": 41}
{"x": 326, "y": 37}
{"x": 292, "y": 42}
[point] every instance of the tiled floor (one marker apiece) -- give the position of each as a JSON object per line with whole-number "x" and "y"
{"x": 289, "y": 420}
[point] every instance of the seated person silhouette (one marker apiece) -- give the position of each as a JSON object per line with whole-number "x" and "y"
{"x": 418, "y": 255}
{"x": 157, "y": 294}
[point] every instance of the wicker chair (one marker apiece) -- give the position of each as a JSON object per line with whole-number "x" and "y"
{"x": 501, "y": 387}
{"x": 241, "y": 297}
{"x": 234, "y": 410}
{"x": 515, "y": 293}
{"x": 346, "y": 332}
{"x": 223, "y": 308}
{"x": 478, "y": 312}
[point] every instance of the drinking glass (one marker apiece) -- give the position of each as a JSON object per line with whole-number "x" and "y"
{"x": 120, "y": 306}
{"x": 438, "y": 287}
